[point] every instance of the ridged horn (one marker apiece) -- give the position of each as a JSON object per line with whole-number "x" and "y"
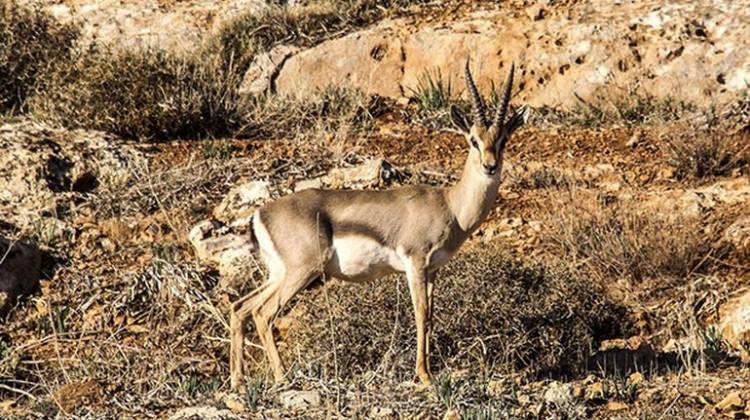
{"x": 477, "y": 104}
{"x": 502, "y": 109}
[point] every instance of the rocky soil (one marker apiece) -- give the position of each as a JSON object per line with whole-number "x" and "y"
{"x": 119, "y": 260}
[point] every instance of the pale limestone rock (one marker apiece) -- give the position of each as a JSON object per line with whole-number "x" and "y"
{"x": 242, "y": 200}
{"x": 368, "y": 60}
{"x": 299, "y": 400}
{"x": 558, "y": 393}
{"x": 216, "y": 246}
{"x": 264, "y": 68}
{"x": 41, "y": 166}
{"x": 734, "y": 324}
{"x": 738, "y": 234}
{"x": 203, "y": 413}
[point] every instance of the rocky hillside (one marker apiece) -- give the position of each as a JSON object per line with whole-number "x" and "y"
{"x": 684, "y": 51}
{"x": 611, "y": 279}
{"x": 565, "y": 51}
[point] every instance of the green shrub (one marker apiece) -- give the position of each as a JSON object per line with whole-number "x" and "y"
{"x": 142, "y": 93}
{"x": 30, "y": 41}
{"x": 433, "y": 93}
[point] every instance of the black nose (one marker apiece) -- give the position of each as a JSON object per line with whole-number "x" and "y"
{"x": 490, "y": 169}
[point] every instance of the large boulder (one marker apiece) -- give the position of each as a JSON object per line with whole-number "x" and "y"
{"x": 564, "y": 54}
{"x": 173, "y": 25}
{"x": 734, "y": 324}
{"x": 261, "y": 75}
{"x": 20, "y": 269}
{"x": 694, "y": 202}
{"x": 371, "y": 173}
{"x": 40, "y": 167}
{"x": 219, "y": 246}
{"x": 369, "y": 60}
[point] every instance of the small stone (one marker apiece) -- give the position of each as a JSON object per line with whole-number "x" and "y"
{"x": 616, "y": 406}
{"x": 523, "y": 400}
{"x": 610, "y": 186}
{"x": 535, "y": 225}
{"x": 594, "y": 391}
{"x": 634, "y": 140}
{"x": 234, "y": 403}
{"x": 381, "y": 412}
{"x": 307, "y": 184}
{"x": 558, "y": 393}
{"x": 7, "y": 406}
{"x": 667, "y": 173}
{"x": 635, "y": 378}
{"x": 732, "y": 402}
{"x": 242, "y": 199}
{"x": 451, "y": 415}
{"x": 498, "y": 388}
{"x": 299, "y": 400}
{"x": 203, "y": 413}
{"x": 738, "y": 235}
{"x": 536, "y": 12}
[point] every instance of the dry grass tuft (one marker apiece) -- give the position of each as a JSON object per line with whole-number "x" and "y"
{"x": 489, "y": 313}
{"x": 540, "y": 178}
{"x": 624, "y": 242}
{"x": 708, "y": 155}
{"x": 326, "y": 111}
{"x": 628, "y": 106}
{"x": 155, "y": 95}
{"x": 32, "y": 40}
{"x": 144, "y": 94}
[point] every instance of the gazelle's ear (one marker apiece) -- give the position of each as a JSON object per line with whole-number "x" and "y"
{"x": 515, "y": 122}
{"x": 518, "y": 119}
{"x": 459, "y": 119}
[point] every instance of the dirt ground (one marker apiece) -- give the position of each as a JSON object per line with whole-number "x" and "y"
{"x": 633, "y": 213}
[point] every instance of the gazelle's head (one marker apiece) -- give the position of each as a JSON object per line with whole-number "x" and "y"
{"x": 487, "y": 139}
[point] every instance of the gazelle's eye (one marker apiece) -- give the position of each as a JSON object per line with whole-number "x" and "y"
{"x": 474, "y": 143}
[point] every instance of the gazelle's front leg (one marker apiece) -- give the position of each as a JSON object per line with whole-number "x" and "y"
{"x": 430, "y": 327}
{"x": 417, "y": 277}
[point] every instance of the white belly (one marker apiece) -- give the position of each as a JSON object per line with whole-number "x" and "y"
{"x": 359, "y": 258}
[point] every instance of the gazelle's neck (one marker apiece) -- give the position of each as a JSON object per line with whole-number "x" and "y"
{"x": 473, "y": 196}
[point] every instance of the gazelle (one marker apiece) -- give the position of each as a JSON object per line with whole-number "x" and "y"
{"x": 362, "y": 235}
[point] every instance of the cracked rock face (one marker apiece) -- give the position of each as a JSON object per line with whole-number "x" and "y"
{"x": 41, "y": 166}
{"x": 178, "y": 25}
{"x": 693, "y": 51}
{"x": 373, "y": 63}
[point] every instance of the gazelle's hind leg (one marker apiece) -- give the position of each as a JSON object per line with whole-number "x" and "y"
{"x": 264, "y": 304}
{"x": 239, "y": 312}
{"x": 265, "y": 310}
